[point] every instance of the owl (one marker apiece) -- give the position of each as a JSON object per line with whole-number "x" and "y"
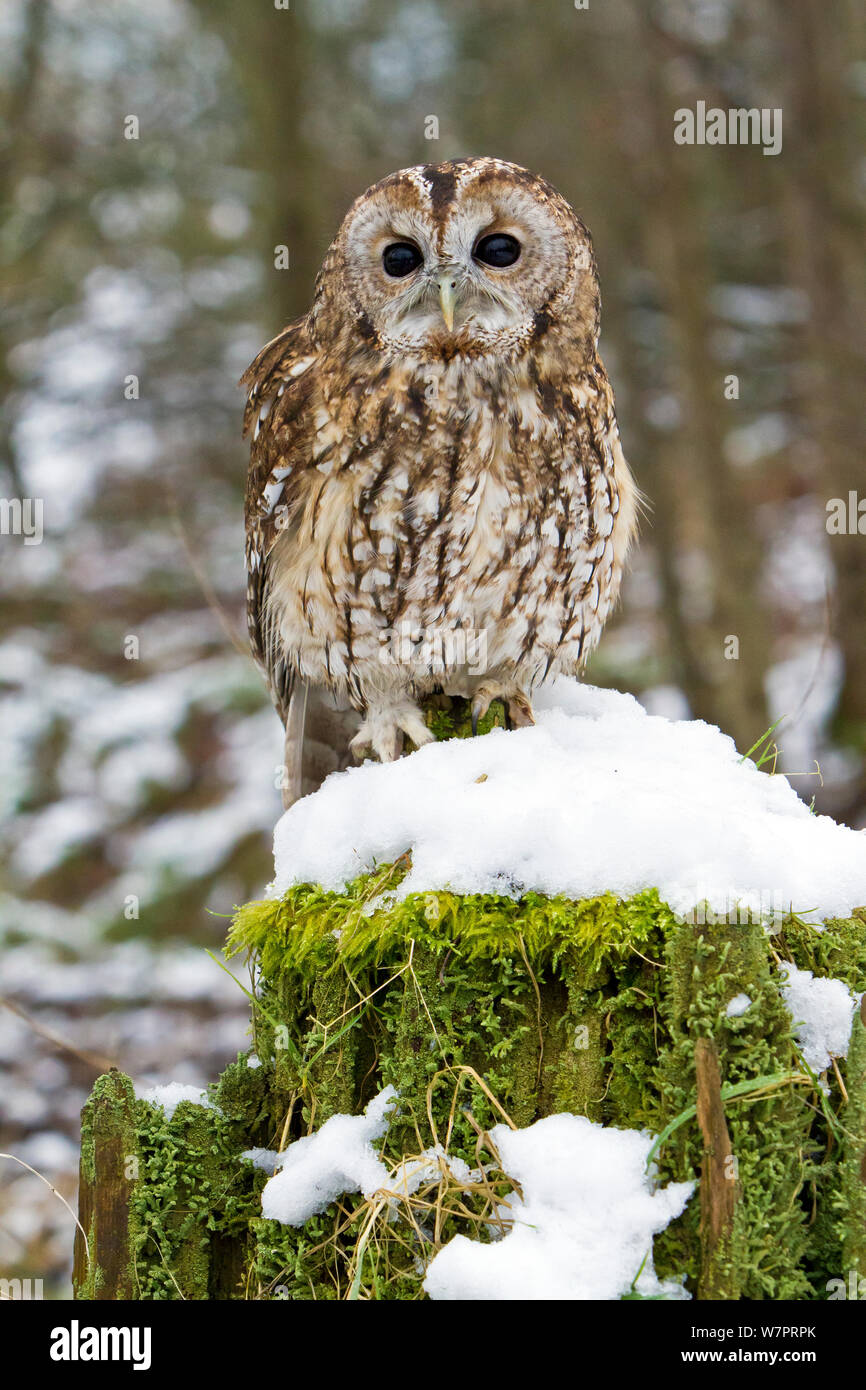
{"x": 437, "y": 500}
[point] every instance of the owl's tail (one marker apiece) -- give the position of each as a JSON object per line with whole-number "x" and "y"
{"x": 318, "y": 733}
{"x": 293, "y": 757}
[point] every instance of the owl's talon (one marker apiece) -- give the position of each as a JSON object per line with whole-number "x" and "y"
{"x": 517, "y": 706}
{"x": 518, "y": 712}
{"x": 480, "y": 706}
{"x": 383, "y": 733}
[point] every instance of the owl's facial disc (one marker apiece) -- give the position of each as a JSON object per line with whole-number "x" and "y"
{"x": 465, "y": 288}
{"x": 470, "y": 273}
{"x": 424, "y": 297}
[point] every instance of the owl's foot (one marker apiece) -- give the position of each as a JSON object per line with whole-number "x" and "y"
{"x": 382, "y": 732}
{"x": 518, "y": 708}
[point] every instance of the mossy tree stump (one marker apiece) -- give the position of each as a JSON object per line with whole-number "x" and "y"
{"x": 478, "y": 1009}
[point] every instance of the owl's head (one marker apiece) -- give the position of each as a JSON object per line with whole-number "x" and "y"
{"x": 472, "y": 256}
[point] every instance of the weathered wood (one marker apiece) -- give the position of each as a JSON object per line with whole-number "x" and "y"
{"x": 103, "y": 1267}
{"x": 718, "y": 1180}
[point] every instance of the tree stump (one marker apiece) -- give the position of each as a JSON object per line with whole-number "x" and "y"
{"x": 482, "y": 1009}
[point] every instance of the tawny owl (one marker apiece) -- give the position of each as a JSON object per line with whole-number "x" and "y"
{"x": 437, "y": 497}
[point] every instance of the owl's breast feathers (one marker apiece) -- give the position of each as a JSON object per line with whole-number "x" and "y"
{"x": 388, "y": 492}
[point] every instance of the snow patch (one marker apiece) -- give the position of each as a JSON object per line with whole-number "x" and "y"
{"x": 822, "y": 1010}
{"x": 739, "y": 1005}
{"x": 170, "y": 1096}
{"x": 314, "y": 1171}
{"x": 584, "y": 1228}
{"x": 598, "y": 797}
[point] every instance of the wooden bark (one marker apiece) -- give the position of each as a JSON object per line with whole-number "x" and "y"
{"x": 107, "y": 1146}
{"x": 718, "y": 1184}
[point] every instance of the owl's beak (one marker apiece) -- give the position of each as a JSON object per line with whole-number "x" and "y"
{"x": 448, "y": 301}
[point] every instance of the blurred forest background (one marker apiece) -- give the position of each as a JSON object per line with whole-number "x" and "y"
{"x": 138, "y": 777}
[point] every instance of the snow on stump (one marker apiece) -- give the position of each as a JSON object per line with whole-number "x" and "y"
{"x": 561, "y": 1012}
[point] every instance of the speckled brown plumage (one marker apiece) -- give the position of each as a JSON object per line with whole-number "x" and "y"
{"x": 417, "y": 493}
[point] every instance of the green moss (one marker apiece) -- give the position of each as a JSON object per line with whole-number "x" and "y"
{"x": 769, "y": 1129}
{"x": 837, "y": 948}
{"x": 298, "y": 933}
{"x": 111, "y": 1095}
{"x": 451, "y": 717}
{"x": 194, "y": 1195}
{"x": 850, "y": 1200}
{"x": 288, "y": 1263}
{"x": 480, "y": 1007}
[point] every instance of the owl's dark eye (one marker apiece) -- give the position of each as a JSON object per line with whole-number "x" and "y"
{"x": 401, "y": 258}
{"x": 499, "y": 250}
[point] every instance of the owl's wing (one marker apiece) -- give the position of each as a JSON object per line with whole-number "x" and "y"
{"x": 283, "y": 383}
{"x": 278, "y": 420}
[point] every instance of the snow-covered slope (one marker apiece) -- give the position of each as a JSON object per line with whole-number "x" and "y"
{"x": 598, "y": 797}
